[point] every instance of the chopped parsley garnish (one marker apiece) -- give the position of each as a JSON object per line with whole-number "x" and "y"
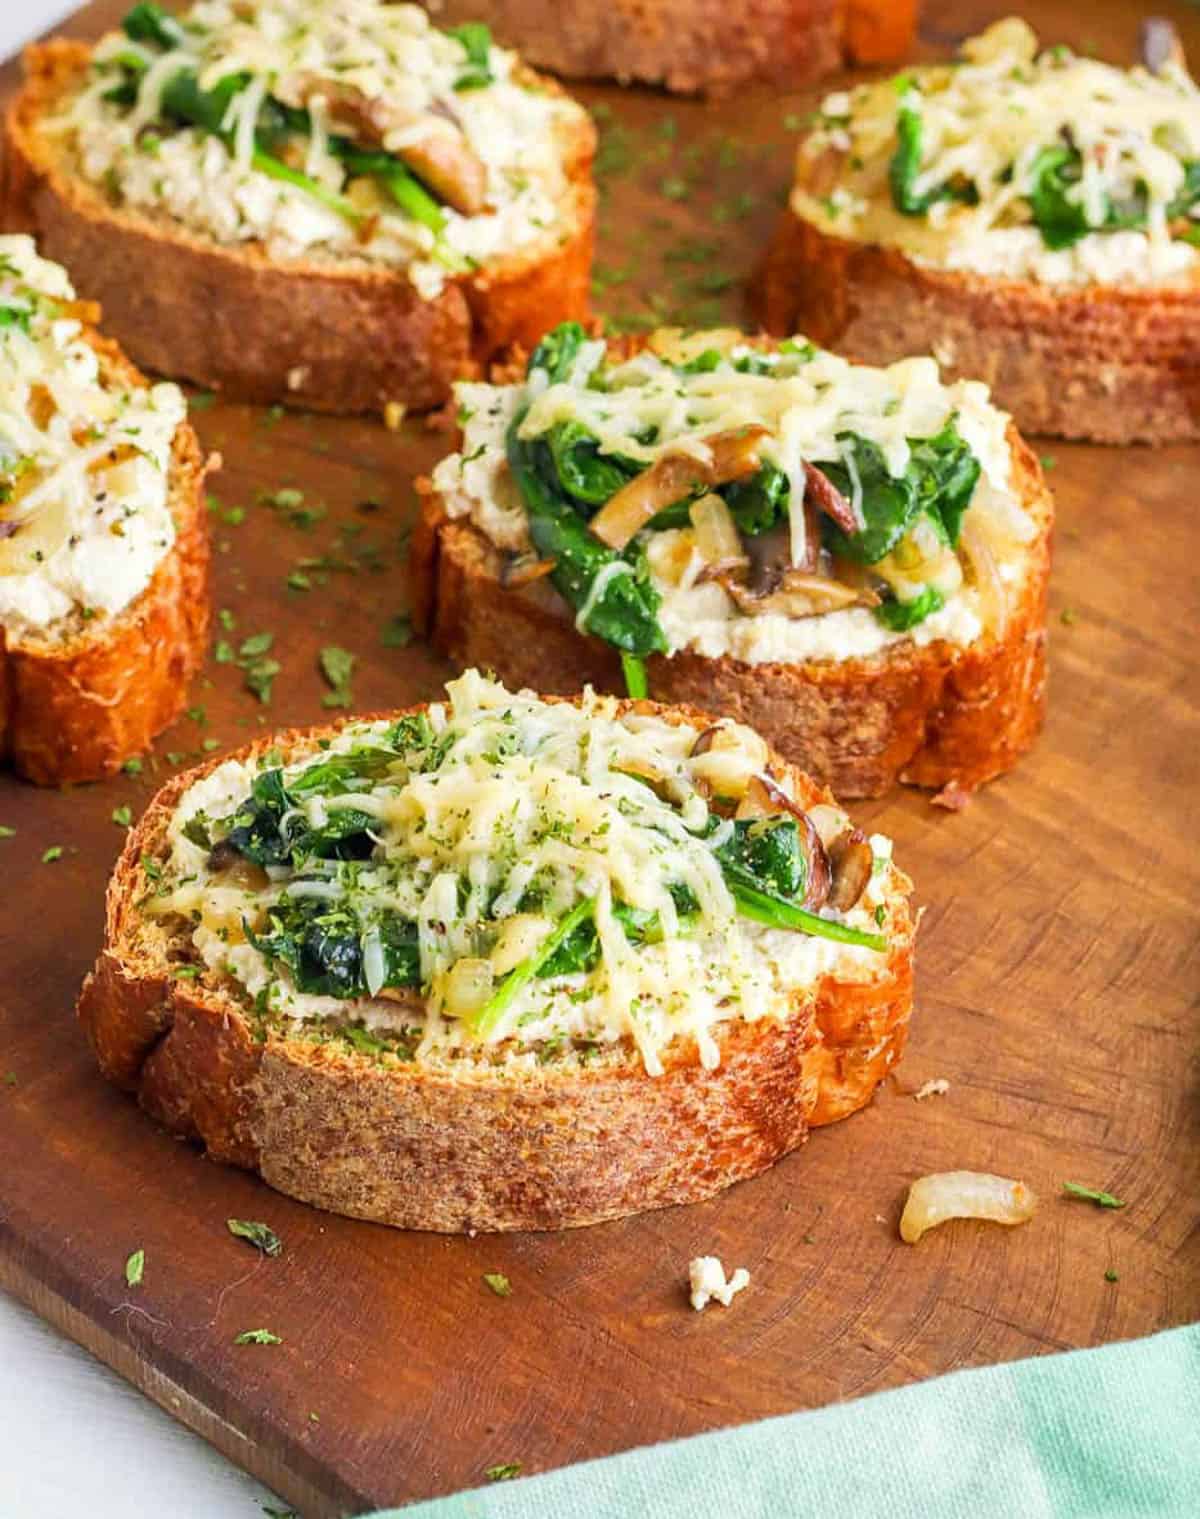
{"x": 337, "y": 666}
{"x": 499, "y": 1283}
{"x": 122, "y": 816}
{"x": 504, "y": 1472}
{"x": 261, "y": 1236}
{"x": 135, "y": 1268}
{"x": 1089, "y": 1194}
{"x": 257, "y": 1337}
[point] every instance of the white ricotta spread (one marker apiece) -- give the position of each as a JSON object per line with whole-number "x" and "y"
{"x": 706, "y": 1276}
{"x": 84, "y": 461}
{"x": 986, "y": 123}
{"x": 513, "y": 813}
{"x": 385, "y": 53}
{"x": 807, "y": 410}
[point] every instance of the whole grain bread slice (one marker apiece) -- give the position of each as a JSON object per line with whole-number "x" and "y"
{"x": 330, "y": 336}
{"x": 477, "y": 1142}
{"x": 696, "y": 45}
{"x": 928, "y": 715}
{"x": 78, "y": 702}
{"x": 1105, "y": 364}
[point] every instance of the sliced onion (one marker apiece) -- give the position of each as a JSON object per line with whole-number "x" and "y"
{"x": 374, "y": 963}
{"x": 716, "y": 533}
{"x": 468, "y": 987}
{"x": 726, "y": 756}
{"x": 964, "y": 1194}
{"x": 519, "y": 936}
{"x": 975, "y": 543}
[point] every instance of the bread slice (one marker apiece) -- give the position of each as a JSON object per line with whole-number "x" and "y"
{"x": 477, "y": 1142}
{"x": 76, "y": 704}
{"x": 1096, "y": 363}
{"x": 927, "y": 714}
{"x": 336, "y": 337}
{"x": 696, "y": 45}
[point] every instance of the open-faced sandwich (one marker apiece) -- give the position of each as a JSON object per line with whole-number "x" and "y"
{"x": 851, "y": 560}
{"x": 502, "y": 962}
{"x": 103, "y": 540}
{"x": 323, "y": 201}
{"x": 1030, "y": 217}
{"x": 690, "y": 45}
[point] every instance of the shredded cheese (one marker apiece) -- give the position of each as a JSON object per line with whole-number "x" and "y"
{"x": 84, "y": 462}
{"x": 386, "y": 56}
{"x": 985, "y": 122}
{"x": 530, "y": 809}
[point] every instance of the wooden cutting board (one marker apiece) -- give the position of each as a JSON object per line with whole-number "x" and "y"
{"x": 1057, "y": 975}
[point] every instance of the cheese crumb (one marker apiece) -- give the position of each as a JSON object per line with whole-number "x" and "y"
{"x": 937, "y": 1088}
{"x": 708, "y": 1282}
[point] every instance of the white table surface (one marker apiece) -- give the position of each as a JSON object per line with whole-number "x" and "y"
{"x": 74, "y": 1438}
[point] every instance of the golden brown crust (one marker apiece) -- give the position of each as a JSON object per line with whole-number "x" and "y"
{"x": 1109, "y": 365}
{"x": 478, "y": 1146}
{"x": 336, "y": 337}
{"x": 76, "y": 709}
{"x": 696, "y": 45}
{"x": 927, "y": 715}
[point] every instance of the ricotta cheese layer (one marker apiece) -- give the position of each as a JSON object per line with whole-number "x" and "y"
{"x": 502, "y": 872}
{"x": 334, "y": 91}
{"x": 815, "y": 407}
{"x": 84, "y": 461}
{"x": 1015, "y": 163}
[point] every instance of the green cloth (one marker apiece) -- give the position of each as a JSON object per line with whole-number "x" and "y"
{"x": 1097, "y": 1434}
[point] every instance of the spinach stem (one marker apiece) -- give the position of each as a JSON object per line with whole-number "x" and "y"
{"x": 489, "y": 1015}
{"x": 634, "y": 668}
{"x": 764, "y": 907}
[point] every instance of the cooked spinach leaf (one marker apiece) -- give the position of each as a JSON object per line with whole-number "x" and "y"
{"x": 323, "y": 945}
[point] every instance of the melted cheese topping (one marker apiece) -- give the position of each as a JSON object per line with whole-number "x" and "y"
{"x": 984, "y": 123}
{"x": 385, "y": 52}
{"x": 84, "y": 490}
{"x": 806, "y": 402}
{"x": 527, "y": 801}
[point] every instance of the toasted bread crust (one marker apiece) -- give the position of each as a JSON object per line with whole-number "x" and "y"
{"x": 1103, "y": 364}
{"x": 337, "y": 337}
{"x": 927, "y": 715}
{"x": 76, "y": 709}
{"x": 696, "y": 45}
{"x": 478, "y": 1146}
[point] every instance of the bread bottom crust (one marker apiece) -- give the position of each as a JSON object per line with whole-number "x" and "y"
{"x": 479, "y": 1147}
{"x": 325, "y": 337}
{"x": 927, "y": 715}
{"x": 77, "y": 710}
{"x": 1093, "y": 363}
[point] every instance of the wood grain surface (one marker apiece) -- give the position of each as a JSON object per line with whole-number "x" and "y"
{"x": 1057, "y": 984}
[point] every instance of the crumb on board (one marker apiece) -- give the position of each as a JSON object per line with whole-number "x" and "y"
{"x": 936, "y": 1088}
{"x": 707, "y": 1278}
{"x": 952, "y": 797}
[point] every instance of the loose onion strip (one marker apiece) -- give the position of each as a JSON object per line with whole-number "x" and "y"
{"x": 964, "y": 1194}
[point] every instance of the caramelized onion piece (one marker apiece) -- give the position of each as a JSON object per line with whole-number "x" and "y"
{"x": 726, "y": 756}
{"x": 731, "y": 456}
{"x": 975, "y": 542}
{"x": 716, "y": 532}
{"x": 964, "y": 1194}
{"x": 235, "y": 869}
{"x": 851, "y": 862}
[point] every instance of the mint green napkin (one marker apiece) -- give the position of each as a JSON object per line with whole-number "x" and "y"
{"x": 1096, "y": 1434}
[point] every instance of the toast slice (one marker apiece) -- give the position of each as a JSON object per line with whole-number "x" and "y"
{"x": 84, "y": 694}
{"x": 1081, "y": 332}
{"x": 395, "y": 1110}
{"x": 926, "y": 713}
{"x": 327, "y": 334}
{"x": 695, "y": 46}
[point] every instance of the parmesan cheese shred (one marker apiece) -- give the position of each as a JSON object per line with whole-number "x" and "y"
{"x": 505, "y": 877}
